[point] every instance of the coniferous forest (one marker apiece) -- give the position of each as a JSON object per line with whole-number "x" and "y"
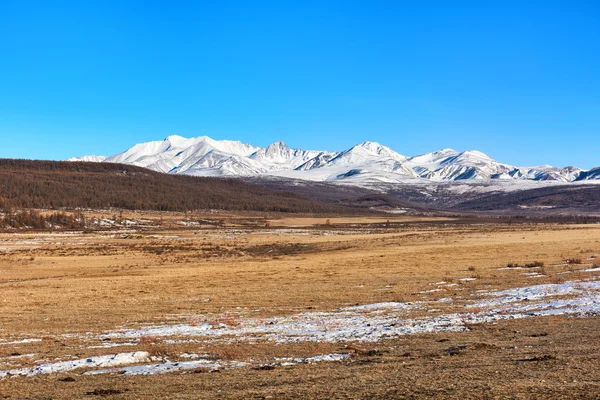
{"x": 54, "y": 185}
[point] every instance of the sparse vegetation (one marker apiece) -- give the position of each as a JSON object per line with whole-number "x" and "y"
{"x": 574, "y": 261}
{"x": 534, "y": 264}
{"x": 32, "y": 219}
{"x": 154, "y": 346}
{"x": 224, "y": 279}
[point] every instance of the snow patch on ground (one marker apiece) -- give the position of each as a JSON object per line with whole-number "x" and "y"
{"x": 363, "y": 323}
{"x": 161, "y": 368}
{"x": 22, "y": 341}
{"x": 211, "y": 365}
{"x": 590, "y": 270}
{"x": 537, "y": 292}
{"x": 373, "y": 322}
{"x": 91, "y": 362}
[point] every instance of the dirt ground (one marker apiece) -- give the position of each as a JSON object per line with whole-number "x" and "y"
{"x": 76, "y": 295}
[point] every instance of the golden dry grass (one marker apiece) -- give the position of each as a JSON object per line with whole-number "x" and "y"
{"x": 52, "y": 284}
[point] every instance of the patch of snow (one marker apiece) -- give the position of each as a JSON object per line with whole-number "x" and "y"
{"x": 597, "y": 269}
{"x": 364, "y": 323}
{"x": 373, "y": 322}
{"x": 379, "y": 306}
{"x": 536, "y": 292}
{"x": 109, "y": 345}
{"x": 23, "y": 341}
{"x": 161, "y": 368}
{"x": 210, "y": 365}
{"x": 91, "y": 362}
{"x": 288, "y": 361}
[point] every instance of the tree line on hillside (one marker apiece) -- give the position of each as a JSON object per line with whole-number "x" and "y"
{"x": 33, "y": 219}
{"x": 26, "y": 184}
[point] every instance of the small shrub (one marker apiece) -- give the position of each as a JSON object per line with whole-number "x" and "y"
{"x": 574, "y": 261}
{"x": 535, "y": 264}
{"x": 154, "y": 347}
{"x": 233, "y": 352}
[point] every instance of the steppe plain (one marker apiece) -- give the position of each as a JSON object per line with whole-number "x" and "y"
{"x": 221, "y": 305}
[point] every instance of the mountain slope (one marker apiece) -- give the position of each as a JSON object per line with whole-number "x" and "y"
{"x": 365, "y": 163}
{"x": 53, "y": 185}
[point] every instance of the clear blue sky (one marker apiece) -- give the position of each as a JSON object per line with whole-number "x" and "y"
{"x": 519, "y": 80}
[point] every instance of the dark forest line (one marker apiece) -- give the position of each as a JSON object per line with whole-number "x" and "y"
{"x": 57, "y": 185}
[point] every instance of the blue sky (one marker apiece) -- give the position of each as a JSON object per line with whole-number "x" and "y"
{"x": 518, "y": 80}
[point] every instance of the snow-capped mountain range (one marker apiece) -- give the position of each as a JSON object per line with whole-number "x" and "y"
{"x": 365, "y": 162}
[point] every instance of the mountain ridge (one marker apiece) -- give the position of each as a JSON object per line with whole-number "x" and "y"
{"x": 367, "y": 162}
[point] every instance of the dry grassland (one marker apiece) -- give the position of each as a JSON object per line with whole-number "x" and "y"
{"x": 65, "y": 290}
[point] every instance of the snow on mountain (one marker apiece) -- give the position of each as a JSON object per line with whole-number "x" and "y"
{"x": 317, "y": 162}
{"x": 176, "y": 154}
{"x": 366, "y": 153}
{"x": 278, "y": 156}
{"x": 368, "y": 162}
{"x": 589, "y": 175}
{"x": 451, "y": 165}
{"x": 548, "y": 173}
{"x": 368, "y": 158}
{"x": 90, "y": 158}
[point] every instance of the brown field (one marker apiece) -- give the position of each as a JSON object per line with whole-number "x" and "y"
{"x": 71, "y": 295}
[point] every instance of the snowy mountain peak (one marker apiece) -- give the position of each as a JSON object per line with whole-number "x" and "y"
{"x": 445, "y": 151}
{"x": 179, "y": 142}
{"x": 367, "y": 162}
{"x": 377, "y": 148}
{"x": 90, "y": 158}
{"x": 475, "y": 154}
{"x": 174, "y": 139}
{"x": 371, "y": 146}
{"x": 277, "y": 151}
{"x": 278, "y": 156}
{"x": 277, "y": 148}
{"x": 366, "y": 152}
